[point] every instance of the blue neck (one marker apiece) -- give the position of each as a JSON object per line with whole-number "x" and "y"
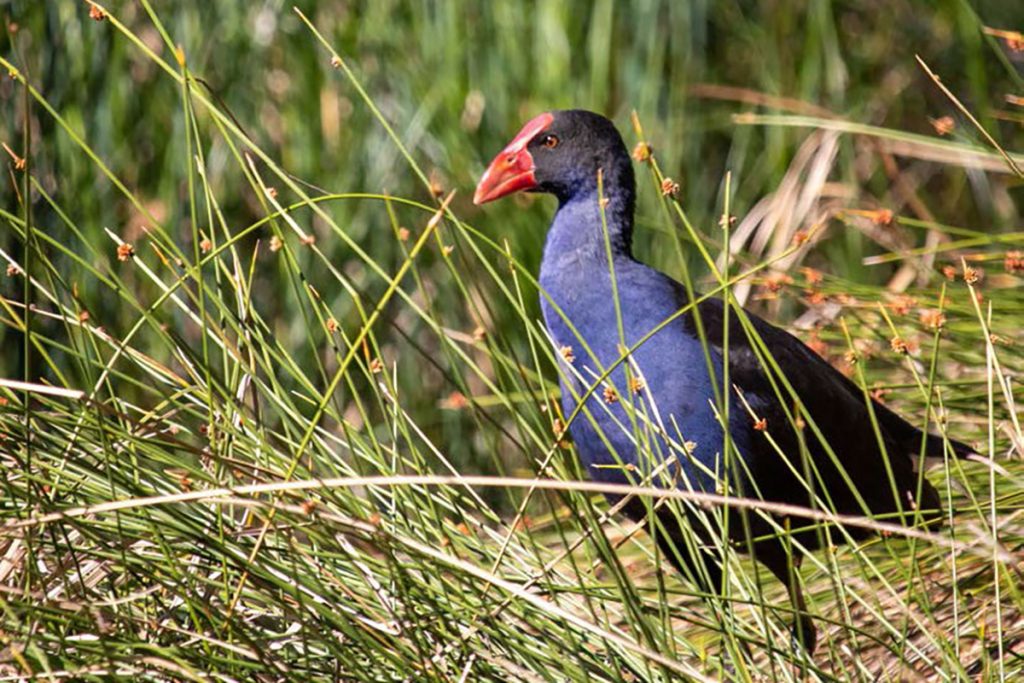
{"x": 576, "y": 238}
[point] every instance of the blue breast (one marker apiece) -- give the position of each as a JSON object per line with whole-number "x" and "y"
{"x": 667, "y": 382}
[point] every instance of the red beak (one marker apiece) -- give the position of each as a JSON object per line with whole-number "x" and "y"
{"x": 512, "y": 170}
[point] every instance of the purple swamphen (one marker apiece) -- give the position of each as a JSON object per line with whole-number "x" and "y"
{"x": 597, "y": 300}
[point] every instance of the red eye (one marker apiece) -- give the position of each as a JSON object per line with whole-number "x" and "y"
{"x": 550, "y": 141}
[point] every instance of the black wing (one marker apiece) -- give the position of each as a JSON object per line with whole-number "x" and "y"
{"x": 873, "y": 470}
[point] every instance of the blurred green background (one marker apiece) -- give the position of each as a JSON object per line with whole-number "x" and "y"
{"x": 456, "y": 80}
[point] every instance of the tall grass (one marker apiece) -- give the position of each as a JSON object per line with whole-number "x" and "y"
{"x": 277, "y": 405}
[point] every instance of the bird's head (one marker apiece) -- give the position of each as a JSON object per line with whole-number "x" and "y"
{"x": 557, "y": 152}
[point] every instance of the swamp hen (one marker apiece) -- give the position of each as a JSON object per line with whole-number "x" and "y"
{"x": 597, "y": 300}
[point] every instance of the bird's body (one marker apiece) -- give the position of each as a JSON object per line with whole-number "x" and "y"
{"x": 806, "y": 436}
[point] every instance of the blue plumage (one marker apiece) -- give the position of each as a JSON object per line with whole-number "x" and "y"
{"x": 671, "y": 384}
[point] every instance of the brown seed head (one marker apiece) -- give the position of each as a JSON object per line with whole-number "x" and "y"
{"x": 669, "y": 187}
{"x": 902, "y": 304}
{"x": 880, "y": 216}
{"x": 777, "y": 281}
{"x": 760, "y": 424}
{"x": 933, "y": 318}
{"x": 96, "y": 13}
{"x": 816, "y": 297}
{"x": 1014, "y": 262}
{"x": 943, "y": 125}
{"x": 610, "y": 395}
{"x": 19, "y": 162}
{"x": 276, "y": 243}
{"x": 813, "y": 277}
{"x": 642, "y": 152}
{"x": 455, "y": 401}
{"x": 125, "y": 251}
{"x": 567, "y": 354}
